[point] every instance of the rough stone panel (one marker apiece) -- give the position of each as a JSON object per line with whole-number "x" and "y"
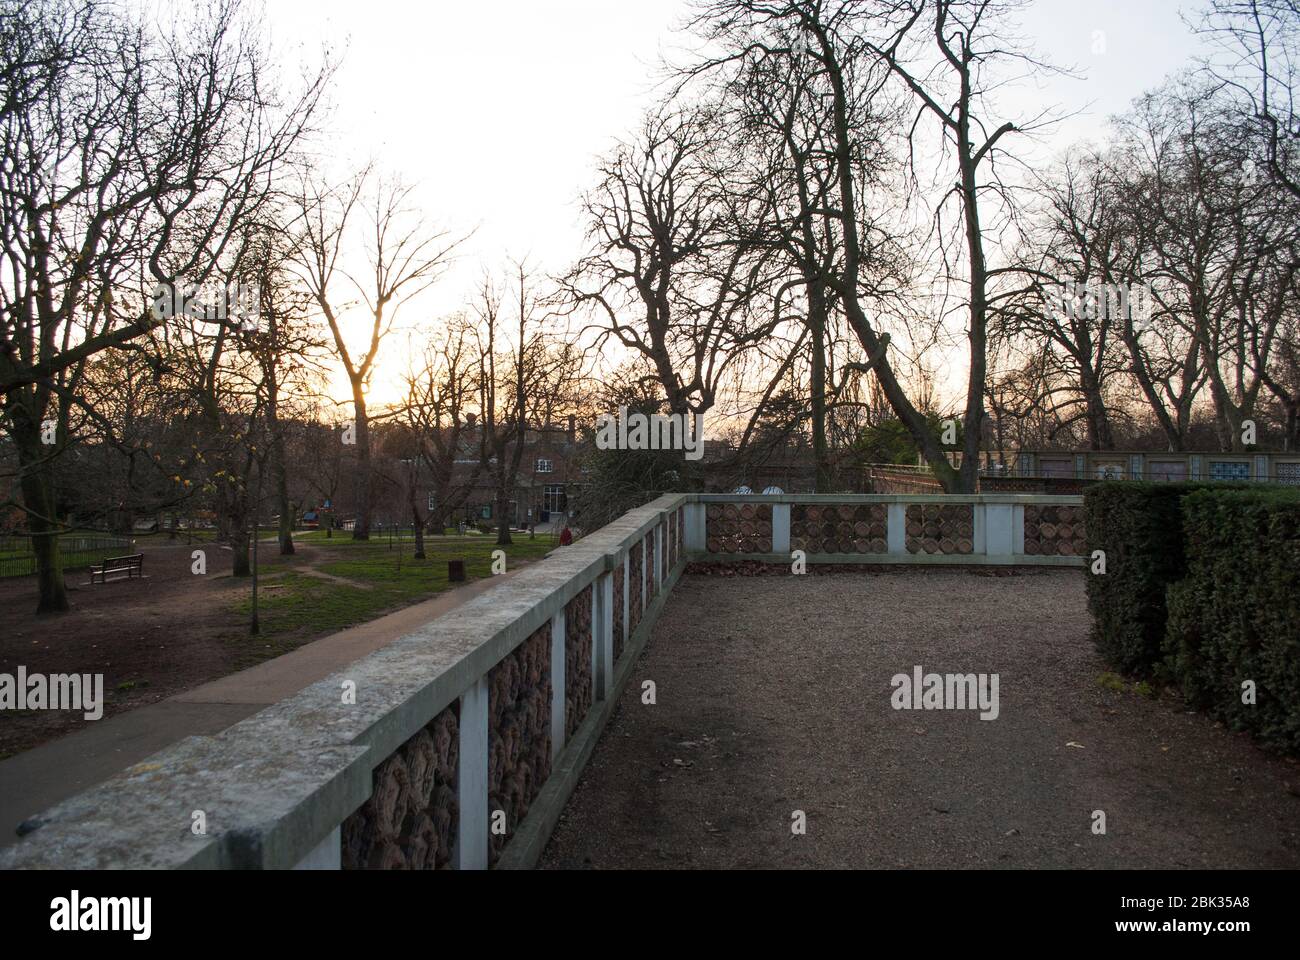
{"x": 738, "y": 528}
{"x": 519, "y": 733}
{"x": 409, "y": 822}
{"x": 839, "y": 528}
{"x": 650, "y": 566}
{"x": 577, "y": 661}
{"x": 635, "y": 588}
{"x": 941, "y": 528}
{"x": 618, "y": 612}
{"x": 1055, "y": 531}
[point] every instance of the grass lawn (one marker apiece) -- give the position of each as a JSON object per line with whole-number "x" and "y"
{"x": 349, "y": 582}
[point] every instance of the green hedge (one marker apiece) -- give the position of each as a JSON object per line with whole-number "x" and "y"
{"x": 1139, "y": 526}
{"x": 1236, "y": 615}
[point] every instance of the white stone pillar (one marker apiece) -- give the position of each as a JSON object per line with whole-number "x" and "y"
{"x": 471, "y": 848}
{"x": 780, "y": 528}
{"x": 896, "y": 529}
{"x": 695, "y": 539}
{"x": 997, "y": 529}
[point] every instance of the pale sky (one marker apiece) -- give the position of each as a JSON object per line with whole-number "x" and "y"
{"x": 499, "y": 108}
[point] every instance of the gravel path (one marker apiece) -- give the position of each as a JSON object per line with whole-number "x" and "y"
{"x": 773, "y": 695}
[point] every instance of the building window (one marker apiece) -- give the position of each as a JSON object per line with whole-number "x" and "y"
{"x": 544, "y": 466}
{"x": 1289, "y": 473}
{"x": 553, "y": 498}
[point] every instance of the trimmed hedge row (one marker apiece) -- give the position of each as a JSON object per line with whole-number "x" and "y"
{"x": 1202, "y": 587}
{"x": 1138, "y": 526}
{"x": 1236, "y": 615}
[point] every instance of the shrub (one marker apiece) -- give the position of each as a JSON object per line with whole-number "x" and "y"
{"x": 1139, "y": 527}
{"x": 1236, "y": 615}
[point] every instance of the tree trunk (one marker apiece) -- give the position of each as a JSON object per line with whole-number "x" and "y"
{"x": 281, "y": 474}
{"x": 821, "y": 452}
{"x": 286, "y": 518}
{"x": 977, "y": 336}
{"x": 419, "y": 538}
{"x": 1100, "y": 436}
{"x": 239, "y": 541}
{"x": 38, "y": 498}
{"x": 503, "y": 518}
{"x": 418, "y": 525}
{"x": 361, "y": 531}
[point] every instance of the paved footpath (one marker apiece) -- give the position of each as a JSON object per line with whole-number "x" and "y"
{"x": 36, "y": 779}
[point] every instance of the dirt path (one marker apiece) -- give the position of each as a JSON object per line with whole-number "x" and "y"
{"x": 342, "y": 581}
{"x": 773, "y": 695}
{"x": 151, "y": 638}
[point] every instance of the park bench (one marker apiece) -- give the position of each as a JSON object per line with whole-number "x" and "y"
{"x": 120, "y": 568}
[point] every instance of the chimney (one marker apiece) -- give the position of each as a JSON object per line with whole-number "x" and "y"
{"x": 573, "y": 426}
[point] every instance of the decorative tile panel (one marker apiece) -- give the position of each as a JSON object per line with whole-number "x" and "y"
{"x": 839, "y": 528}
{"x": 1054, "y": 531}
{"x": 738, "y": 527}
{"x": 941, "y": 528}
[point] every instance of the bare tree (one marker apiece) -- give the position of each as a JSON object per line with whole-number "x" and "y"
{"x": 1082, "y": 239}
{"x": 130, "y": 157}
{"x": 673, "y": 258}
{"x": 1219, "y": 246}
{"x": 442, "y": 391}
{"x": 1258, "y": 61}
{"x": 372, "y": 219}
{"x": 779, "y": 109}
{"x": 522, "y": 372}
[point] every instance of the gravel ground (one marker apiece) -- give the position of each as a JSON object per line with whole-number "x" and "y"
{"x": 773, "y": 695}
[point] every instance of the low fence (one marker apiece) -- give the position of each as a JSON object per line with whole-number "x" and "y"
{"x": 75, "y": 551}
{"x": 1052, "y": 486}
{"x": 889, "y": 478}
{"x": 921, "y": 480}
{"x": 842, "y": 528}
{"x": 457, "y": 745}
